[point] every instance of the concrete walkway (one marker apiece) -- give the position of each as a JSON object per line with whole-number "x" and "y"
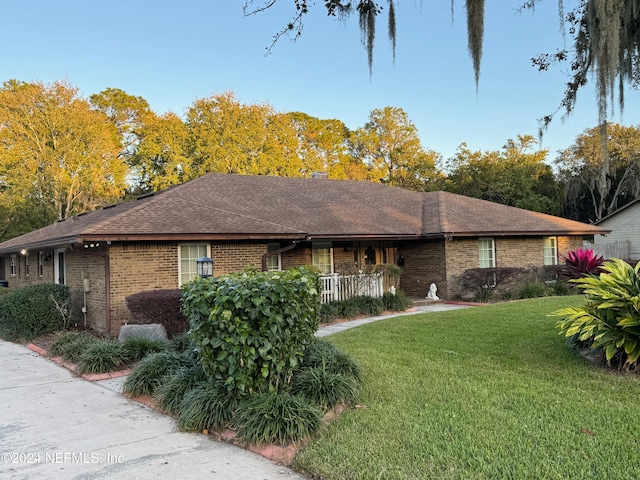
{"x": 339, "y": 327}
{"x": 55, "y": 425}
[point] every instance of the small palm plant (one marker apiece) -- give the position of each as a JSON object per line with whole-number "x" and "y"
{"x": 611, "y": 317}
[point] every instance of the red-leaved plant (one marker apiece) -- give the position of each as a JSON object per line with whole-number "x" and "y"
{"x": 582, "y": 262}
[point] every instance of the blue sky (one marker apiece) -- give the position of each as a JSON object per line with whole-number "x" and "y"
{"x": 172, "y": 53}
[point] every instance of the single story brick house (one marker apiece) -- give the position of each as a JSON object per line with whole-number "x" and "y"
{"x": 152, "y": 242}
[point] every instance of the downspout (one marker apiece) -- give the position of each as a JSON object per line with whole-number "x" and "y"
{"x": 277, "y": 252}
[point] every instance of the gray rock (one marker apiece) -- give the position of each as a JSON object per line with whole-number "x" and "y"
{"x": 152, "y": 331}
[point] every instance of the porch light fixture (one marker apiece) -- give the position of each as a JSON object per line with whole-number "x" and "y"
{"x": 204, "y": 267}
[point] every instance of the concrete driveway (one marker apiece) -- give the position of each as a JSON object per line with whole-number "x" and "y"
{"x": 55, "y": 425}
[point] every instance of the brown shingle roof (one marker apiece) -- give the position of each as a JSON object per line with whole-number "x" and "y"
{"x": 217, "y": 206}
{"x": 458, "y": 215}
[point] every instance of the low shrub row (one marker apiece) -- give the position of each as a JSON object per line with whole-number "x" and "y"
{"x": 28, "y": 312}
{"x": 98, "y": 355}
{"x": 511, "y": 283}
{"x": 364, "y": 305}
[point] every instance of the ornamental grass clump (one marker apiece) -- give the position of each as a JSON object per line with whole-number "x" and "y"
{"x": 70, "y": 345}
{"x": 206, "y": 407}
{"x": 170, "y": 394}
{"x": 136, "y": 348}
{"x": 324, "y": 388}
{"x": 610, "y": 321}
{"x": 148, "y": 374}
{"x": 276, "y": 418}
{"x": 324, "y": 354}
{"x": 102, "y": 356}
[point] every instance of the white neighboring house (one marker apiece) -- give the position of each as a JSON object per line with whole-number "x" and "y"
{"x": 624, "y": 239}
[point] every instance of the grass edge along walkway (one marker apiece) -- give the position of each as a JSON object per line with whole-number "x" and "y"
{"x": 481, "y": 393}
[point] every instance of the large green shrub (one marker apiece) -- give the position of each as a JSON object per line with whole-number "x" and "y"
{"x": 251, "y": 329}
{"x": 611, "y": 318}
{"x": 31, "y": 311}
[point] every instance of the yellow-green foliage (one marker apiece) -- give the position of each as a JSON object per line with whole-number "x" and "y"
{"x": 611, "y": 317}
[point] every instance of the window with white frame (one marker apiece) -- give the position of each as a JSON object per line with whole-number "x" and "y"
{"x": 26, "y": 264}
{"x": 550, "y": 250}
{"x": 188, "y": 253}
{"x": 322, "y": 254}
{"x": 274, "y": 262}
{"x": 487, "y": 252}
{"x": 40, "y": 263}
{"x": 13, "y": 265}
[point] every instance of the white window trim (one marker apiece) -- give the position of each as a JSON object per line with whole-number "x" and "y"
{"x": 493, "y": 252}
{"x": 544, "y": 250}
{"x": 208, "y": 244}
{"x": 329, "y": 245}
{"x": 56, "y": 266}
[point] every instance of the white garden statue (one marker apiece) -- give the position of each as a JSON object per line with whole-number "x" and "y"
{"x": 433, "y": 290}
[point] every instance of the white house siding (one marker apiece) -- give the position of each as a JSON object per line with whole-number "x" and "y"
{"x": 625, "y": 227}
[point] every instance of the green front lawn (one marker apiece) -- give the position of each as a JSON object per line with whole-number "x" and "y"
{"x": 489, "y": 392}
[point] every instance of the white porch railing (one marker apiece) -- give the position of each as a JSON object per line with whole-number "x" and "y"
{"x": 342, "y": 287}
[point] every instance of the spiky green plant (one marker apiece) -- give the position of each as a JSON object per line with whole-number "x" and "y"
{"x": 139, "y": 347}
{"x": 70, "y": 345}
{"x": 611, "y": 317}
{"x": 207, "y": 406}
{"x": 276, "y": 418}
{"x": 102, "y": 356}
{"x": 322, "y": 353}
{"x": 171, "y": 392}
{"x": 323, "y": 388}
{"x": 149, "y": 372}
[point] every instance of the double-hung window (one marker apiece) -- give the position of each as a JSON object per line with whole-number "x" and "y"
{"x": 487, "y": 250}
{"x": 322, "y": 254}
{"x": 550, "y": 250}
{"x": 188, "y": 253}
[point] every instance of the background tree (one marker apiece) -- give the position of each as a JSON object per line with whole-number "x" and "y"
{"x": 390, "y": 147}
{"x": 324, "y": 146}
{"x": 161, "y": 158}
{"x": 127, "y": 112}
{"x": 598, "y": 183}
{"x": 58, "y": 155}
{"x": 227, "y": 136}
{"x": 517, "y": 176}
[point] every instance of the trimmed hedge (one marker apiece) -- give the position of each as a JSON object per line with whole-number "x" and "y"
{"x": 251, "y": 329}
{"x": 28, "y": 312}
{"x": 158, "y": 306}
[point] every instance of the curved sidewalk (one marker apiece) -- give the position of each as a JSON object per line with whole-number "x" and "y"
{"x": 341, "y": 326}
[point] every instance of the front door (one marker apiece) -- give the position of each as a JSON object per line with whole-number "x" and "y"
{"x": 59, "y": 267}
